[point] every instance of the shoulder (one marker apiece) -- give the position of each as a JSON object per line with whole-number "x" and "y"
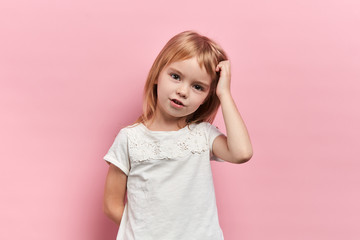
{"x": 127, "y": 131}
{"x": 205, "y": 126}
{"x": 199, "y": 126}
{"x": 206, "y": 130}
{"x": 131, "y": 128}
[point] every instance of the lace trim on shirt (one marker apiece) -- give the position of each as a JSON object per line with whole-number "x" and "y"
{"x": 143, "y": 148}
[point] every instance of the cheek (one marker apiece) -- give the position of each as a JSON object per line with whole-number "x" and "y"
{"x": 199, "y": 101}
{"x": 205, "y": 98}
{"x": 161, "y": 91}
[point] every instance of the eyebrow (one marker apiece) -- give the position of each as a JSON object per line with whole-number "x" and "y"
{"x": 181, "y": 74}
{"x": 176, "y": 71}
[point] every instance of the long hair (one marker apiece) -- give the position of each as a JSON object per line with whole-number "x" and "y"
{"x": 183, "y": 46}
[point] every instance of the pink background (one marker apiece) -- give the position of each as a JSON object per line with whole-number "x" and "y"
{"x": 72, "y": 74}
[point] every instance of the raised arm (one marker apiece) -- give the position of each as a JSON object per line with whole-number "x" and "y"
{"x": 236, "y": 147}
{"x": 114, "y": 196}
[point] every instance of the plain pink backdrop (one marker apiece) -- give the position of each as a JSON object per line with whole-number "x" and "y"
{"x": 72, "y": 74}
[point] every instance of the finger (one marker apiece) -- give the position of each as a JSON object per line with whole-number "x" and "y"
{"x": 219, "y": 67}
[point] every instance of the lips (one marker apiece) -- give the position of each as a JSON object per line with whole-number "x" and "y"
{"x": 177, "y": 102}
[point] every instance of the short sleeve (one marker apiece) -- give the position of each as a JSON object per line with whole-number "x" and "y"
{"x": 118, "y": 152}
{"x": 213, "y": 132}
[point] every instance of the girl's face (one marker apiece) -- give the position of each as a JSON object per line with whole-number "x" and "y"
{"x": 181, "y": 88}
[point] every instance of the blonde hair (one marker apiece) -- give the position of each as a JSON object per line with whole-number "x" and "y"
{"x": 183, "y": 46}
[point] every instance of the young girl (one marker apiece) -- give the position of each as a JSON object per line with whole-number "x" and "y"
{"x": 162, "y": 161}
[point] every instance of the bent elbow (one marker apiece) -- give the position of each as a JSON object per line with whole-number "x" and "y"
{"x": 113, "y": 211}
{"x": 107, "y": 209}
{"x": 244, "y": 158}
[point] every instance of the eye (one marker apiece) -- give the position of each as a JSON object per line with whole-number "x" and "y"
{"x": 175, "y": 76}
{"x": 198, "y": 87}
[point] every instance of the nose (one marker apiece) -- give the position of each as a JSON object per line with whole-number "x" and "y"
{"x": 182, "y": 91}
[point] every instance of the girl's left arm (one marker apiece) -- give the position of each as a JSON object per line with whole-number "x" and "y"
{"x": 236, "y": 147}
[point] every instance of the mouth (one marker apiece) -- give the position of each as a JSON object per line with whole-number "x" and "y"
{"x": 177, "y": 102}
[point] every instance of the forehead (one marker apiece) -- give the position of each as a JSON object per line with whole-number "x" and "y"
{"x": 190, "y": 68}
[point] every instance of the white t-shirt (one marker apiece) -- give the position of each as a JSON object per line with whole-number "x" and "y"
{"x": 170, "y": 191}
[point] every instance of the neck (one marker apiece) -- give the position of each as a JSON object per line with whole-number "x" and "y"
{"x": 158, "y": 123}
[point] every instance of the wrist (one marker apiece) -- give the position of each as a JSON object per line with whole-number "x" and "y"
{"x": 224, "y": 96}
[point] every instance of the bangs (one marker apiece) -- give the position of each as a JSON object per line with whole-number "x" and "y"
{"x": 209, "y": 60}
{"x": 207, "y": 53}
